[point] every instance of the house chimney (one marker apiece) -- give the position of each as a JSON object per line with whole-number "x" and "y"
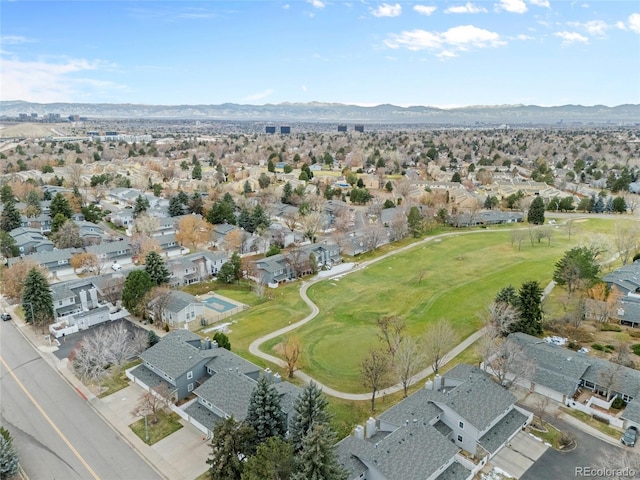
{"x": 207, "y": 343}
{"x": 277, "y": 378}
{"x": 359, "y": 432}
{"x": 83, "y": 300}
{"x": 93, "y": 293}
{"x": 370, "y": 427}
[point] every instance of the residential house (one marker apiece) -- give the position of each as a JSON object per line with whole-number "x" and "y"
{"x": 180, "y": 310}
{"x": 57, "y": 262}
{"x": 561, "y": 374}
{"x": 285, "y": 267}
{"x": 220, "y": 381}
{"x": 491, "y": 217}
{"x": 169, "y": 244}
{"x": 195, "y": 268}
{"x": 121, "y": 218}
{"x": 41, "y": 222}
{"x": 422, "y": 436}
{"x": 112, "y": 252}
{"x": 77, "y": 303}
{"x": 30, "y": 240}
{"x": 91, "y": 233}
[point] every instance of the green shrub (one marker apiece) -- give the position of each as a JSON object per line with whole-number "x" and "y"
{"x": 610, "y": 348}
{"x": 618, "y": 403}
{"x": 607, "y": 327}
{"x": 597, "y": 346}
{"x": 635, "y": 348}
{"x": 601, "y": 419}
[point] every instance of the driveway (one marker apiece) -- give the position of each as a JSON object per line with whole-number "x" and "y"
{"x": 554, "y": 464}
{"x": 519, "y": 455}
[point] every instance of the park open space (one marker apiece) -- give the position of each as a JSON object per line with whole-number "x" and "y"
{"x": 453, "y": 277}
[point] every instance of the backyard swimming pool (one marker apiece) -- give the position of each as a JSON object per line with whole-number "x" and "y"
{"x": 218, "y": 304}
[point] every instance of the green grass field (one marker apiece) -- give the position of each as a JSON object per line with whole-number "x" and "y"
{"x": 461, "y": 275}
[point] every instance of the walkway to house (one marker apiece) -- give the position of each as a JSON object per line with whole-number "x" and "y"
{"x": 254, "y": 347}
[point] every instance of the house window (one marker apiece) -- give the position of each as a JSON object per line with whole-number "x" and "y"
{"x": 190, "y": 388}
{"x": 460, "y": 438}
{"x": 461, "y": 424}
{"x": 189, "y": 375}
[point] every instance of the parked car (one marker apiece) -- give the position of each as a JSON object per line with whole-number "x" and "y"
{"x": 116, "y": 267}
{"x": 5, "y": 317}
{"x": 630, "y": 436}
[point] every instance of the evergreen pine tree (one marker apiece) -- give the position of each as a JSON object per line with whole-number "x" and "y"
{"x": 196, "y": 173}
{"x": 265, "y": 413}
{"x": 287, "y": 192}
{"x": 10, "y": 217}
{"x": 414, "y": 221}
{"x": 536, "y": 211}
{"x": 155, "y": 267}
{"x": 310, "y": 409}
{"x": 9, "y": 461}
{"x": 142, "y": 204}
{"x": 232, "y": 442}
{"x": 60, "y": 204}
{"x": 37, "y": 302}
{"x": 599, "y": 205}
{"x": 530, "y": 308}
{"x": 6, "y": 194}
{"x": 273, "y": 460}
{"x": 175, "y": 207}
{"x": 136, "y": 286}
{"x": 317, "y": 459}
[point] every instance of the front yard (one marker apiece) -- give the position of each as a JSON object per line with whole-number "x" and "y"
{"x": 166, "y": 424}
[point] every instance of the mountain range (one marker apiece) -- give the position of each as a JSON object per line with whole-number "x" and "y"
{"x": 340, "y": 113}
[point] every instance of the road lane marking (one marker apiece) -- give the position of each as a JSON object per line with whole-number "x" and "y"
{"x": 48, "y": 419}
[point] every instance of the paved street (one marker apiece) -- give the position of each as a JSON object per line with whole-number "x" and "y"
{"x": 562, "y": 465}
{"x": 57, "y": 434}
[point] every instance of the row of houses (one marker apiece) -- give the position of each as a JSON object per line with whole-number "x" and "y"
{"x": 626, "y": 280}
{"x": 561, "y": 374}
{"x": 218, "y": 381}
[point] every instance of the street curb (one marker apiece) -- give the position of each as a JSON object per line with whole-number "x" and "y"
{"x": 89, "y": 399}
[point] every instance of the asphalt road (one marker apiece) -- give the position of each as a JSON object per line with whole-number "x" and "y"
{"x": 56, "y": 432}
{"x": 562, "y": 465}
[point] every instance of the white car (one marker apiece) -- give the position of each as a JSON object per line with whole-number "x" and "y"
{"x": 116, "y": 267}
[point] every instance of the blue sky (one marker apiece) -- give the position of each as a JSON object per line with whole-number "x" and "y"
{"x": 438, "y": 53}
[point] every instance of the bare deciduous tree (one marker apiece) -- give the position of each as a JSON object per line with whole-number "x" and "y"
{"x": 627, "y": 240}
{"x": 297, "y": 260}
{"x": 156, "y": 400}
{"x": 157, "y": 301}
{"x": 390, "y": 330}
{"x": 438, "y": 340}
{"x": 499, "y": 317}
{"x": 374, "y": 236}
{"x": 510, "y": 364}
{"x": 111, "y": 289}
{"x": 105, "y": 347}
{"x": 408, "y": 361}
{"x": 291, "y": 350}
{"x": 145, "y": 224}
{"x": 374, "y": 370}
{"x": 312, "y": 223}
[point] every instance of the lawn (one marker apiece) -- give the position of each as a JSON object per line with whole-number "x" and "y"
{"x": 460, "y": 276}
{"x": 166, "y": 425}
{"x": 589, "y": 420}
{"x": 117, "y": 380}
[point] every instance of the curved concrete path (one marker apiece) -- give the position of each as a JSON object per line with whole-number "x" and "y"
{"x": 254, "y": 347}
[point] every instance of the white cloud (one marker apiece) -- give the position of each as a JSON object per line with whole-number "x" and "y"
{"x": 466, "y": 8}
{"x": 14, "y": 39}
{"x": 424, "y": 9}
{"x": 634, "y": 22}
{"x": 512, "y": 6}
{"x": 46, "y": 82}
{"x": 445, "y": 44}
{"x": 258, "y": 96}
{"x": 316, "y": 3}
{"x": 386, "y": 10}
{"x": 571, "y": 37}
{"x": 596, "y": 28}
{"x": 522, "y": 36}
{"x": 470, "y": 35}
{"x": 286, "y": 6}
{"x": 303, "y": 88}
{"x": 540, "y": 3}
{"x": 621, "y": 25}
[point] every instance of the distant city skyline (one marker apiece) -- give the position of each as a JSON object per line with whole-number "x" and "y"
{"x": 433, "y": 53}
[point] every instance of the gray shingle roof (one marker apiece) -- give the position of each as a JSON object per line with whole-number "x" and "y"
{"x": 632, "y": 411}
{"x": 109, "y": 247}
{"x": 412, "y": 452}
{"x": 178, "y": 301}
{"x": 556, "y": 368}
{"x": 626, "y": 277}
{"x": 230, "y": 392}
{"x": 173, "y": 355}
{"x": 501, "y": 431}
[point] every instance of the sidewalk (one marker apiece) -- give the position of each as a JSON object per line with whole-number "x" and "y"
{"x": 184, "y": 459}
{"x": 530, "y": 401}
